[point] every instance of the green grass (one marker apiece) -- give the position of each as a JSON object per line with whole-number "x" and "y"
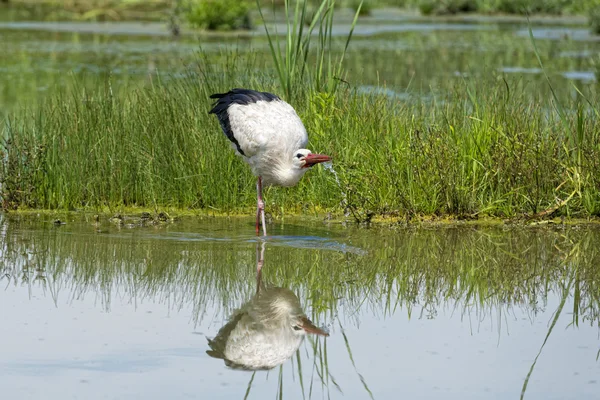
{"x": 594, "y": 19}
{"x": 87, "y": 10}
{"x": 223, "y": 15}
{"x": 295, "y": 64}
{"x": 548, "y": 7}
{"x": 484, "y": 149}
{"x": 238, "y": 15}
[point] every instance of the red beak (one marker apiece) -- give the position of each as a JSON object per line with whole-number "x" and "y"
{"x": 313, "y": 159}
{"x": 309, "y": 327}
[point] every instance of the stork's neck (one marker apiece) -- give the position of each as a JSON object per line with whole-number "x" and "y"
{"x": 287, "y": 175}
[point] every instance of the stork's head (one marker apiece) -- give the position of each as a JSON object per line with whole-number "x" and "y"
{"x": 284, "y": 308}
{"x": 288, "y": 171}
{"x": 301, "y": 325}
{"x": 303, "y": 158}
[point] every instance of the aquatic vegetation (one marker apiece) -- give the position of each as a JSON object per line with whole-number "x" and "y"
{"x": 427, "y": 7}
{"x": 448, "y": 7}
{"x": 487, "y": 146}
{"x": 87, "y": 10}
{"x": 364, "y": 7}
{"x": 523, "y": 7}
{"x": 533, "y": 6}
{"x": 237, "y": 12}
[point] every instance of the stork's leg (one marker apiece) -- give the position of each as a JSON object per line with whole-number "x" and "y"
{"x": 260, "y": 260}
{"x": 264, "y": 224}
{"x": 260, "y": 209}
{"x": 258, "y": 200}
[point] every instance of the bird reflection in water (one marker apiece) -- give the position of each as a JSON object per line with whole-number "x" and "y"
{"x": 265, "y": 331}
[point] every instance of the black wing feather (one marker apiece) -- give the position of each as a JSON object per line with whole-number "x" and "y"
{"x": 236, "y": 96}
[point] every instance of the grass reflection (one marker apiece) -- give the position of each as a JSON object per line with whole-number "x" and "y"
{"x": 476, "y": 270}
{"x": 478, "y": 273}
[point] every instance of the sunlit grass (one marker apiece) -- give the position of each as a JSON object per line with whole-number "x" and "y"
{"x": 484, "y": 149}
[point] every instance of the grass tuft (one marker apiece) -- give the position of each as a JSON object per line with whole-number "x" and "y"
{"x": 323, "y": 70}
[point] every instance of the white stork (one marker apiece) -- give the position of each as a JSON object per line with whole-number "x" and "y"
{"x": 268, "y": 134}
{"x": 265, "y": 331}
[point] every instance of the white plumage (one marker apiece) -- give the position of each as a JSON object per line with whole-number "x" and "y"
{"x": 264, "y": 332}
{"x": 268, "y": 134}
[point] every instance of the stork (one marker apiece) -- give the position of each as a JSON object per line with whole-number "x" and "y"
{"x": 265, "y": 331}
{"x": 268, "y": 134}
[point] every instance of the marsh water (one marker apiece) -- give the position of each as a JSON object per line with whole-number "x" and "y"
{"x": 405, "y": 56}
{"x": 124, "y": 309}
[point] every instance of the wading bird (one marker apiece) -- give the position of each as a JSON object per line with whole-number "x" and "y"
{"x": 268, "y": 134}
{"x": 265, "y": 331}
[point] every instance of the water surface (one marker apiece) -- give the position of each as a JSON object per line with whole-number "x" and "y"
{"x": 414, "y": 57}
{"x": 108, "y": 310}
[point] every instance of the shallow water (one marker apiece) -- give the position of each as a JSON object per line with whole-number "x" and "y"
{"x": 107, "y": 310}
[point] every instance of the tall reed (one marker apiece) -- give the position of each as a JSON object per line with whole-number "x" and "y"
{"x": 294, "y": 67}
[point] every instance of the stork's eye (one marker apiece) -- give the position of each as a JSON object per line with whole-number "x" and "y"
{"x": 297, "y": 328}
{"x": 299, "y": 155}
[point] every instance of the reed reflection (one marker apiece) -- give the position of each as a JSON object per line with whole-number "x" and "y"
{"x": 265, "y": 331}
